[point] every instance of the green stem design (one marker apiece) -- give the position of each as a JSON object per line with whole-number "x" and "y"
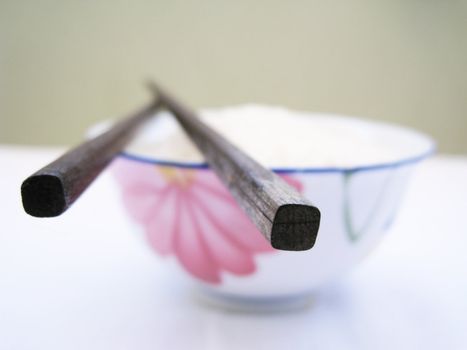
{"x": 352, "y": 232}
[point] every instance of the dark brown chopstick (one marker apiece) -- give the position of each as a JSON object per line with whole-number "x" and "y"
{"x": 53, "y": 189}
{"x": 285, "y": 218}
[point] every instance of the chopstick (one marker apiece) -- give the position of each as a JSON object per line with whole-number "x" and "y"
{"x": 284, "y": 217}
{"x": 53, "y": 189}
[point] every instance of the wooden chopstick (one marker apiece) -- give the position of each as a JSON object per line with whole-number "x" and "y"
{"x": 285, "y": 218}
{"x": 54, "y": 188}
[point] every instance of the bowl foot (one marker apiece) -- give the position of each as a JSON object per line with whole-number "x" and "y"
{"x": 254, "y": 304}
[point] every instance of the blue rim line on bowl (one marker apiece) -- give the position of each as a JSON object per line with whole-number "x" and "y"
{"x": 205, "y": 166}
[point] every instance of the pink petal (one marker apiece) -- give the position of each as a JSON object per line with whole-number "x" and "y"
{"x": 209, "y": 182}
{"x": 191, "y": 249}
{"x": 162, "y": 224}
{"x": 129, "y": 172}
{"x": 229, "y": 219}
{"x": 227, "y": 253}
{"x": 208, "y": 177}
{"x": 142, "y": 202}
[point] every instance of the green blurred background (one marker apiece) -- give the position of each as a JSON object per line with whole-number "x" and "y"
{"x": 67, "y": 64}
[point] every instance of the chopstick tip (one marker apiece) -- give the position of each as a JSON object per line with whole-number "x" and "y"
{"x": 295, "y": 227}
{"x": 43, "y": 196}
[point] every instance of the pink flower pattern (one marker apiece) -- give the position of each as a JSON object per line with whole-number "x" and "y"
{"x": 190, "y": 214}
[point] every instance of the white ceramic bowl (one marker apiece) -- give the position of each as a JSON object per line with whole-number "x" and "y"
{"x": 192, "y": 222}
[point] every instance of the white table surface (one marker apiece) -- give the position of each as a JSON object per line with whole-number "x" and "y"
{"x": 82, "y": 281}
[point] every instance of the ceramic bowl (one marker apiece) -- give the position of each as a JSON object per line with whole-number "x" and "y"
{"x": 191, "y": 221}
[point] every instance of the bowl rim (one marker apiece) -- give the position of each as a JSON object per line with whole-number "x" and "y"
{"x": 428, "y": 150}
{"x": 288, "y": 170}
